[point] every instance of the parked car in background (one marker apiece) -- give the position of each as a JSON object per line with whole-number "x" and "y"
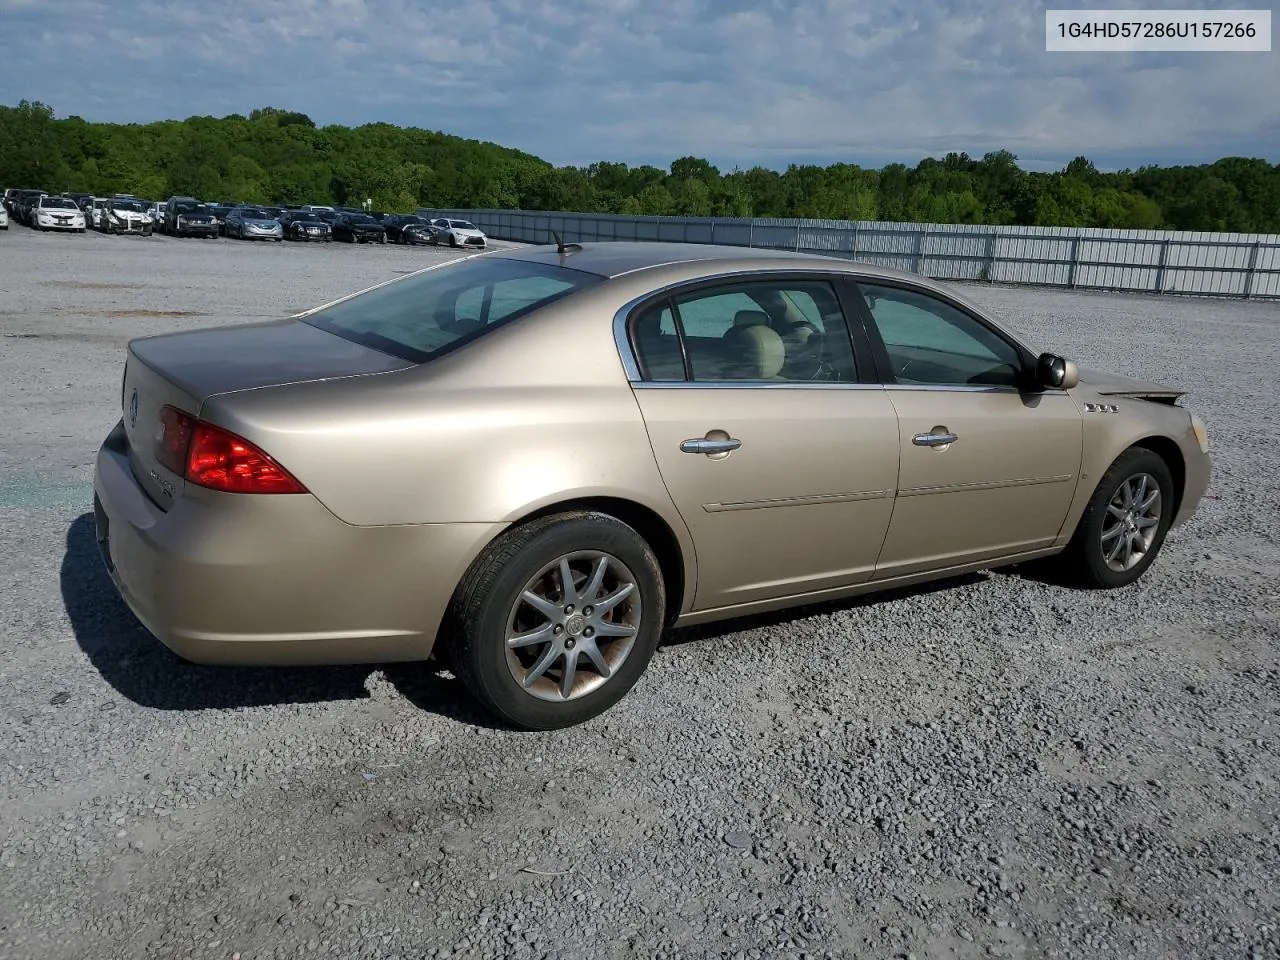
{"x": 358, "y": 228}
{"x": 219, "y": 213}
{"x": 459, "y": 233}
{"x": 57, "y": 213}
{"x": 120, "y": 215}
{"x": 407, "y": 228}
{"x": 251, "y": 223}
{"x": 403, "y": 470}
{"x": 188, "y": 217}
{"x": 304, "y": 225}
{"x": 23, "y": 201}
{"x": 4, "y": 218}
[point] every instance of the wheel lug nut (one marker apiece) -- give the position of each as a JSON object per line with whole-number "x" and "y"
{"x": 588, "y": 632}
{"x": 587, "y": 611}
{"x": 568, "y": 644}
{"x": 568, "y": 608}
{"x": 558, "y": 630}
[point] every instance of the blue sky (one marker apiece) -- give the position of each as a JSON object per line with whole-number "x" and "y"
{"x": 739, "y": 82}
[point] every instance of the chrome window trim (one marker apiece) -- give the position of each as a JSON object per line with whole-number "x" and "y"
{"x": 751, "y": 385}
{"x": 825, "y": 385}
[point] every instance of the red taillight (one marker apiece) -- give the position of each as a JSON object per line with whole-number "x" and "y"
{"x": 212, "y": 457}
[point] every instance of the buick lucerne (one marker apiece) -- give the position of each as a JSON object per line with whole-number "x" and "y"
{"x": 533, "y": 461}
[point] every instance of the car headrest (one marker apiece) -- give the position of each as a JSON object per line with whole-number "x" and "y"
{"x": 750, "y": 318}
{"x": 754, "y": 352}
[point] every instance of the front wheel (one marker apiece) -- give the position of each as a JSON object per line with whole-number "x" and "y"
{"x": 557, "y": 620}
{"x": 1124, "y": 525}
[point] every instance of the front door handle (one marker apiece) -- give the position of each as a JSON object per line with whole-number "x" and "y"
{"x": 703, "y": 445}
{"x": 934, "y": 439}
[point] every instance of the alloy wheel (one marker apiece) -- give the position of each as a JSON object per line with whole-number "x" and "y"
{"x": 573, "y": 625}
{"x": 1133, "y": 517}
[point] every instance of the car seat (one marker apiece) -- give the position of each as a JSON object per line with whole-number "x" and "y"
{"x": 752, "y": 351}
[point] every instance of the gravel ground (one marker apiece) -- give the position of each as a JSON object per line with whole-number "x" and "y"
{"x": 993, "y": 767}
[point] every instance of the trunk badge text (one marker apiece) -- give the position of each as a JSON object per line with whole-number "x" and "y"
{"x": 165, "y": 486}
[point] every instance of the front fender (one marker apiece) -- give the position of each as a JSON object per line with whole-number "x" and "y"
{"x": 1134, "y": 422}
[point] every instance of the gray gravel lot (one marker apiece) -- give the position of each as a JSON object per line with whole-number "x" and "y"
{"x": 995, "y": 767}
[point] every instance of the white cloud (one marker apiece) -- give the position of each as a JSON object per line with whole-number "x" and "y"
{"x": 737, "y": 81}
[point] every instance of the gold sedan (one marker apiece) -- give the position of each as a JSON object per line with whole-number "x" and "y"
{"x": 533, "y": 461}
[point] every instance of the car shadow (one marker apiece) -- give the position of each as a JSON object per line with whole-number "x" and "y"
{"x": 146, "y": 672}
{"x": 143, "y": 670}
{"x": 776, "y": 618}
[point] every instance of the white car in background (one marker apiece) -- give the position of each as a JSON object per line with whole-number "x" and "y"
{"x": 57, "y": 213}
{"x": 4, "y": 219}
{"x": 459, "y": 233}
{"x": 122, "y": 215}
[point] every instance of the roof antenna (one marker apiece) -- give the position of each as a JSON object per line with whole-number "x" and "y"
{"x": 562, "y": 248}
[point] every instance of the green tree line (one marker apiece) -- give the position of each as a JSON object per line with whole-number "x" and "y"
{"x": 280, "y": 156}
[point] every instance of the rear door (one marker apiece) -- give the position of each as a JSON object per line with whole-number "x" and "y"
{"x": 988, "y": 469}
{"x": 779, "y": 456}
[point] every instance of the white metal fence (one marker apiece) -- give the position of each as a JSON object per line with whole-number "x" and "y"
{"x": 1147, "y": 261}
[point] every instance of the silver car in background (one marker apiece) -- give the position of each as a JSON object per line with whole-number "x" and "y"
{"x": 252, "y": 223}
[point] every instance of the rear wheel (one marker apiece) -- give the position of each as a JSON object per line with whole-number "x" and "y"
{"x": 1124, "y": 526}
{"x": 557, "y": 620}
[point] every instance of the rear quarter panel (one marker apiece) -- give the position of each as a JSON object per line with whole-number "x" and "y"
{"x": 530, "y": 415}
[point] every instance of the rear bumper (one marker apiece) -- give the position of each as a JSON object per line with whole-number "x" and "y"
{"x": 274, "y": 580}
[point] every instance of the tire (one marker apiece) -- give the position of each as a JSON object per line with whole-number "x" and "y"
{"x": 1085, "y": 562}
{"x": 487, "y": 605}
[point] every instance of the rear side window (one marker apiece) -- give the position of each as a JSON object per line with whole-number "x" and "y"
{"x": 423, "y": 316}
{"x": 761, "y": 331}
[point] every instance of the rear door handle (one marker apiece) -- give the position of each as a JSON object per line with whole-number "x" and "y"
{"x": 703, "y": 445}
{"x": 934, "y": 439}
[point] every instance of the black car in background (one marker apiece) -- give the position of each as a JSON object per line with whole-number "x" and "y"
{"x": 22, "y": 201}
{"x": 407, "y": 228}
{"x": 188, "y": 217}
{"x": 304, "y": 225}
{"x": 219, "y": 213}
{"x": 358, "y": 228}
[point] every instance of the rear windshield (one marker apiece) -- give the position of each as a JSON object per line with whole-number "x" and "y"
{"x": 423, "y": 316}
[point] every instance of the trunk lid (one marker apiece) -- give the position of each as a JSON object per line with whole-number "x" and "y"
{"x": 185, "y": 369}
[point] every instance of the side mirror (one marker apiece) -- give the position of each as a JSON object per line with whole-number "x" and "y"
{"x": 1056, "y": 372}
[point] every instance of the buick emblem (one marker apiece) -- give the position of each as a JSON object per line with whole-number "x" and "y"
{"x": 133, "y": 408}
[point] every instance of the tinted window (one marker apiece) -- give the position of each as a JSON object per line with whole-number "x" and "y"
{"x": 657, "y": 347}
{"x": 931, "y": 342}
{"x": 422, "y": 316}
{"x": 775, "y": 330}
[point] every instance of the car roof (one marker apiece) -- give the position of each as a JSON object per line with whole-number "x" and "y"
{"x": 613, "y": 258}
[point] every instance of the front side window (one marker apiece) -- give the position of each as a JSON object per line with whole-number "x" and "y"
{"x": 784, "y": 330}
{"x": 930, "y": 342}
{"x": 422, "y": 316}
